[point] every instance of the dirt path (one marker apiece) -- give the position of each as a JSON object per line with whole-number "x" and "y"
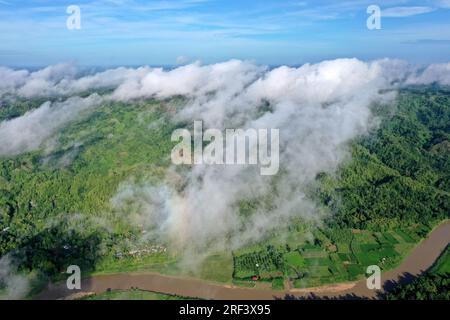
{"x": 419, "y": 260}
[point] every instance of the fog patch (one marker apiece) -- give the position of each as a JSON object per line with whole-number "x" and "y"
{"x": 13, "y": 286}
{"x": 319, "y": 109}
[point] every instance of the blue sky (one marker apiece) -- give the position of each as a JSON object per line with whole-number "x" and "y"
{"x": 155, "y": 32}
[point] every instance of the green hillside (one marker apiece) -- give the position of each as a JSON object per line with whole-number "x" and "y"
{"x": 55, "y": 206}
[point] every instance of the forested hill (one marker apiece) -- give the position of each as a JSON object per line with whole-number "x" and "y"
{"x": 401, "y": 174}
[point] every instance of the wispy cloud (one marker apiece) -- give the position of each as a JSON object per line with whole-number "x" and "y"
{"x": 429, "y": 41}
{"x": 400, "y": 12}
{"x": 443, "y": 3}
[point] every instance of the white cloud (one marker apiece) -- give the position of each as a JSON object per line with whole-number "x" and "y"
{"x": 434, "y": 73}
{"x": 319, "y": 108}
{"x": 30, "y": 131}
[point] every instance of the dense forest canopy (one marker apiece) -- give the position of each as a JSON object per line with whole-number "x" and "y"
{"x": 401, "y": 173}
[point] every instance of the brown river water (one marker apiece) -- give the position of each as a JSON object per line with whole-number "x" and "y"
{"x": 419, "y": 260}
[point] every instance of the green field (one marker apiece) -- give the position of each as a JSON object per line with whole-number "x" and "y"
{"x": 315, "y": 265}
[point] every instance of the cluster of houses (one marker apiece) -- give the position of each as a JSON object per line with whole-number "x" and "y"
{"x": 147, "y": 250}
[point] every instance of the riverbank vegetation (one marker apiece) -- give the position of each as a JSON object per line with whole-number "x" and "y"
{"x": 433, "y": 285}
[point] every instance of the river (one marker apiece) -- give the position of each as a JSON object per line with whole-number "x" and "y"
{"x": 419, "y": 260}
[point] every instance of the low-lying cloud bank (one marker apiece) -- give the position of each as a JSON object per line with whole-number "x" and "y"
{"x": 220, "y": 94}
{"x": 131, "y": 83}
{"x": 62, "y": 80}
{"x": 28, "y": 132}
{"x": 319, "y": 108}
